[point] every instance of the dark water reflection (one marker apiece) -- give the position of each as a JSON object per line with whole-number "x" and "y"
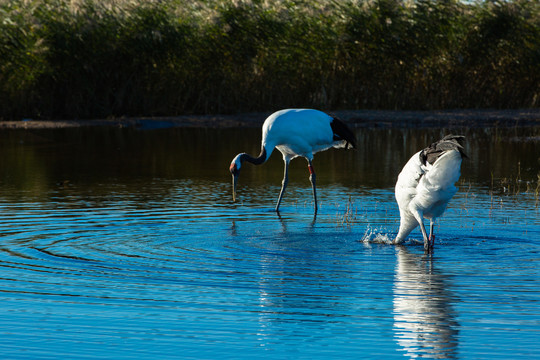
{"x": 35, "y": 161}
{"x": 124, "y": 243}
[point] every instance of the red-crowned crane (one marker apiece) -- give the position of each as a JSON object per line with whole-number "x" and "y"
{"x": 296, "y": 132}
{"x": 426, "y": 184}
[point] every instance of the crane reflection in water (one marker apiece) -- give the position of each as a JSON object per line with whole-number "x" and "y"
{"x": 424, "y": 320}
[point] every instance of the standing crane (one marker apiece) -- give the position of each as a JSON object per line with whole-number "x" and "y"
{"x": 296, "y": 132}
{"x": 426, "y": 184}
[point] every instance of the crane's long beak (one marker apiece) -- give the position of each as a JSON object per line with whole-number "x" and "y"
{"x": 234, "y": 182}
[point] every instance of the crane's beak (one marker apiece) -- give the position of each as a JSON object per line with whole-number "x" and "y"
{"x": 234, "y": 182}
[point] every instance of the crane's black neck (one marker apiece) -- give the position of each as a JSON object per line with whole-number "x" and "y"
{"x": 256, "y": 161}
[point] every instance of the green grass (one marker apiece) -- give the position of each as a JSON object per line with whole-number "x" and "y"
{"x": 94, "y": 59}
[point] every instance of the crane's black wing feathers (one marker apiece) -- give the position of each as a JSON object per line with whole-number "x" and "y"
{"x": 342, "y": 132}
{"x": 435, "y": 150}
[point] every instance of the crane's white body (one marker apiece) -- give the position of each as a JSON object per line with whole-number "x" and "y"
{"x": 296, "y": 132}
{"x": 423, "y": 191}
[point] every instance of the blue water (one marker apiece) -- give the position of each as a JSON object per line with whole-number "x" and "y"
{"x": 126, "y": 245}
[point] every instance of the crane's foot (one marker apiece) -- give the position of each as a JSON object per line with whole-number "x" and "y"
{"x": 429, "y": 245}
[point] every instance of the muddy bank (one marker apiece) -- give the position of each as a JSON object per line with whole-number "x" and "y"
{"x": 356, "y": 118}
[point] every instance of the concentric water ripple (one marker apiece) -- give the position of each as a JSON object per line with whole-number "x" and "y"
{"x": 166, "y": 266}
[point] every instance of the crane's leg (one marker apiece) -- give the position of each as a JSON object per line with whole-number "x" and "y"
{"x": 312, "y": 178}
{"x": 431, "y": 235}
{"x": 427, "y": 247}
{"x": 419, "y": 218}
{"x": 283, "y": 184}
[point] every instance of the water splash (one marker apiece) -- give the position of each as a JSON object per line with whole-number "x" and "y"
{"x": 376, "y": 236}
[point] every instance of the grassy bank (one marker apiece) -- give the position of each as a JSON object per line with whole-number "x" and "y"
{"x": 90, "y": 59}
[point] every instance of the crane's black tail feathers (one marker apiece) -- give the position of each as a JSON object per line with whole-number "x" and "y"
{"x": 435, "y": 150}
{"x": 342, "y": 132}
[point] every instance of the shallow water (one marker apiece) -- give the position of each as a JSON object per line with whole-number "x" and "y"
{"x": 123, "y": 243}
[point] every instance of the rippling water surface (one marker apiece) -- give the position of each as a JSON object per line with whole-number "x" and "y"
{"x": 123, "y": 243}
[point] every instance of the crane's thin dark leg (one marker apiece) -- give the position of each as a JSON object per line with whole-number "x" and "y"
{"x": 283, "y": 184}
{"x": 419, "y": 218}
{"x": 427, "y": 247}
{"x": 312, "y": 178}
{"x": 431, "y": 235}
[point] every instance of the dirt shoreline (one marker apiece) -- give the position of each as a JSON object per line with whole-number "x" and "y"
{"x": 355, "y": 118}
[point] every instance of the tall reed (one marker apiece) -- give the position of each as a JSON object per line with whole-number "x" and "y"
{"x": 86, "y": 58}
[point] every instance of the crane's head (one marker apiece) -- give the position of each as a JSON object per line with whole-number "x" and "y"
{"x": 235, "y": 172}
